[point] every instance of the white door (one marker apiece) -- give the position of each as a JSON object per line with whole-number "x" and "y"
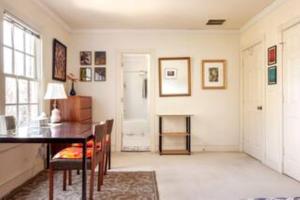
{"x": 253, "y": 63}
{"x": 291, "y": 71}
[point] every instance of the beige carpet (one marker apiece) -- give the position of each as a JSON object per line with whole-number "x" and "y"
{"x": 117, "y": 185}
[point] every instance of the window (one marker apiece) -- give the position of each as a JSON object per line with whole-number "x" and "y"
{"x": 21, "y": 71}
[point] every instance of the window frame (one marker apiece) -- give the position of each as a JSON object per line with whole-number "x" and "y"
{"x": 35, "y": 56}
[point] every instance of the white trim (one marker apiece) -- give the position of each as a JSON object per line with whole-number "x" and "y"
{"x": 207, "y": 148}
{"x": 196, "y": 31}
{"x": 262, "y": 14}
{"x": 53, "y": 15}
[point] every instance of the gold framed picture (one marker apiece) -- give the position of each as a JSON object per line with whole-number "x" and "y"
{"x": 214, "y": 74}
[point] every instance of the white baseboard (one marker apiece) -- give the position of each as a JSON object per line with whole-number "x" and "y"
{"x": 202, "y": 148}
{"x": 21, "y": 178}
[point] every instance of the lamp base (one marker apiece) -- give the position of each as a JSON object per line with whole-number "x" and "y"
{"x": 55, "y": 116}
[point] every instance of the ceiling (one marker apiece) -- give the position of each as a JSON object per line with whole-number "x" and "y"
{"x": 154, "y": 14}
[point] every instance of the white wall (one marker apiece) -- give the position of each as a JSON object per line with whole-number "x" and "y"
{"x": 20, "y": 162}
{"x": 215, "y": 125}
{"x": 267, "y": 26}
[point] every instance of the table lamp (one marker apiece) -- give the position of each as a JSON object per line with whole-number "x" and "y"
{"x": 55, "y": 91}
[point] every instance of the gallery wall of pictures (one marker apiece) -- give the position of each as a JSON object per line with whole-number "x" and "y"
{"x": 175, "y": 76}
{"x": 272, "y": 68}
{"x": 89, "y": 73}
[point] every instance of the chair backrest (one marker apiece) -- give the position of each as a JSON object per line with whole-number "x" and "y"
{"x": 100, "y": 136}
{"x": 110, "y": 123}
{"x": 7, "y": 123}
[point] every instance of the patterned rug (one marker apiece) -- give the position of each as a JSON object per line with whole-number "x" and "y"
{"x": 278, "y": 198}
{"x": 117, "y": 186}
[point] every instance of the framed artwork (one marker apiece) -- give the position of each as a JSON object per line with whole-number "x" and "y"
{"x": 272, "y": 55}
{"x": 170, "y": 73}
{"x": 100, "y": 58}
{"x": 174, "y": 76}
{"x": 100, "y": 74}
{"x": 85, "y": 74}
{"x": 214, "y": 74}
{"x": 59, "y": 63}
{"x": 272, "y": 75}
{"x": 85, "y": 57}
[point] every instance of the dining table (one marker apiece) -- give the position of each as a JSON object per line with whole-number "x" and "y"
{"x": 60, "y": 133}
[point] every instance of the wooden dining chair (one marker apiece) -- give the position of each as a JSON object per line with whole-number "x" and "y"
{"x": 109, "y": 123}
{"x": 70, "y": 158}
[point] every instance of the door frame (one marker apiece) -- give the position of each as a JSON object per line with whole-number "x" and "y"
{"x": 259, "y": 40}
{"x": 284, "y": 27}
{"x": 119, "y": 95}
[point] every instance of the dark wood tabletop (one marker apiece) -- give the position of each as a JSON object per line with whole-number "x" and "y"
{"x": 57, "y": 133}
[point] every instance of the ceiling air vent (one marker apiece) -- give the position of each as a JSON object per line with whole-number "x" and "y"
{"x": 215, "y": 22}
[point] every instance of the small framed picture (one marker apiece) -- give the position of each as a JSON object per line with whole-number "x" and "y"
{"x": 272, "y": 75}
{"x": 272, "y": 55}
{"x": 170, "y": 73}
{"x": 100, "y": 58}
{"x": 85, "y": 57}
{"x": 214, "y": 74}
{"x": 85, "y": 74}
{"x": 100, "y": 74}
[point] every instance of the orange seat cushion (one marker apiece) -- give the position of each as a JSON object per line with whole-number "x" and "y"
{"x": 89, "y": 144}
{"x": 74, "y": 153}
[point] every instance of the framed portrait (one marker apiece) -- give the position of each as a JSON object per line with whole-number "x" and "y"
{"x": 85, "y": 57}
{"x": 100, "y": 74}
{"x": 100, "y": 58}
{"x": 59, "y": 64}
{"x": 174, "y": 76}
{"x": 85, "y": 74}
{"x": 272, "y": 55}
{"x": 170, "y": 73}
{"x": 214, "y": 74}
{"x": 272, "y": 75}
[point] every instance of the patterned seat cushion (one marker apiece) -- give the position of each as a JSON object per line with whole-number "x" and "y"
{"x": 74, "y": 153}
{"x": 89, "y": 144}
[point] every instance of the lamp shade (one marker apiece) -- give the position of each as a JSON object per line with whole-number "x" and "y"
{"x": 55, "y": 91}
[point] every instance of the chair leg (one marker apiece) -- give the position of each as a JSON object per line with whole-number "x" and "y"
{"x": 99, "y": 176}
{"x": 109, "y": 158}
{"x": 92, "y": 183}
{"x": 105, "y": 165}
{"x": 64, "y": 180}
{"x": 51, "y": 189}
{"x": 70, "y": 177}
{"x": 78, "y": 172}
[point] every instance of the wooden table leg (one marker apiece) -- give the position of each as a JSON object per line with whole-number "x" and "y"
{"x": 84, "y": 166}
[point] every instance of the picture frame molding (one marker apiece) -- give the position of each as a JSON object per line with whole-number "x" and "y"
{"x": 224, "y": 74}
{"x": 161, "y": 76}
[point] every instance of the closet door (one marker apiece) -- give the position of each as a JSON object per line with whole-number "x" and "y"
{"x": 253, "y": 65}
{"x": 291, "y": 85}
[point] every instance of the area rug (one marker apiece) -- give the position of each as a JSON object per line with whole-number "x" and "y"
{"x": 117, "y": 186}
{"x": 277, "y": 198}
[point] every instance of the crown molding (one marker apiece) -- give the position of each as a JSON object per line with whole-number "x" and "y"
{"x": 53, "y": 15}
{"x": 262, "y": 14}
{"x": 198, "y": 31}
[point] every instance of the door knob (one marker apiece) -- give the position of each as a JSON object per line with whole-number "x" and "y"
{"x": 259, "y": 107}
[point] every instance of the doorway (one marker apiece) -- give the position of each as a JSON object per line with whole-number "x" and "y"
{"x": 291, "y": 87}
{"x": 253, "y": 117}
{"x": 135, "y": 111}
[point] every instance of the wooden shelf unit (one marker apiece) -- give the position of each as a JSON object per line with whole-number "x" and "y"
{"x": 187, "y": 135}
